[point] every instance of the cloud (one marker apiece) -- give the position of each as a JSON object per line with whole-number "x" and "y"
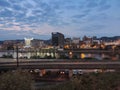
{"x": 92, "y": 3}
{"x": 4, "y": 3}
{"x": 105, "y": 7}
{"x": 79, "y": 16}
{"x": 6, "y": 13}
{"x": 93, "y": 28}
{"x": 38, "y": 18}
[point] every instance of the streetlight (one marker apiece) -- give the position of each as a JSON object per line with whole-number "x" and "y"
{"x": 70, "y": 54}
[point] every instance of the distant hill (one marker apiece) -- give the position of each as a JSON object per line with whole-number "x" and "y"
{"x": 1, "y": 42}
{"x": 110, "y": 38}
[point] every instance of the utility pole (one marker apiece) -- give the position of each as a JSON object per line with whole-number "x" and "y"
{"x": 17, "y": 56}
{"x": 54, "y": 51}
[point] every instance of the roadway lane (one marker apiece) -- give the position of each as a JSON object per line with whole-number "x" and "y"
{"x": 61, "y": 65}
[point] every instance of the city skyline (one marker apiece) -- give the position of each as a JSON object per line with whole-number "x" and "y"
{"x": 73, "y": 18}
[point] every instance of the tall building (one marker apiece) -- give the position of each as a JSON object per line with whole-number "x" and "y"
{"x": 57, "y": 39}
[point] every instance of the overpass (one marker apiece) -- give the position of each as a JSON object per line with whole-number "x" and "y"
{"x": 60, "y": 64}
{"x": 90, "y": 51}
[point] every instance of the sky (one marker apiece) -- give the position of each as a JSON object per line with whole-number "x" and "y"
{"x": 73, "y": 18}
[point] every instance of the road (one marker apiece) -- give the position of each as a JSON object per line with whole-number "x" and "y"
{"x": 60, "y": 64}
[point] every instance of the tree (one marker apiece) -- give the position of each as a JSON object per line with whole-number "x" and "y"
{"x": 16, "y": 80}
{"x": 92, "y": 81}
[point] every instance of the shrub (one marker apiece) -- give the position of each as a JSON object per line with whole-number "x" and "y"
{"x": 16, "y": 80}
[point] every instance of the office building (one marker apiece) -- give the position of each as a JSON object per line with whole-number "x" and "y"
{"x": 57, "y": 39}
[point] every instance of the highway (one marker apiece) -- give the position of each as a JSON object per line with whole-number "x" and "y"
{"x": 60, "y": 64}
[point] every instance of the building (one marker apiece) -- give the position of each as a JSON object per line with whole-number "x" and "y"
{"x": 57, "y": 39}
{"x": 28, "y": 42}
{"x": 88, "y": 41}
{"x": 76, "y": 40}
{"x": 37, "y": 43}
{"x": 68, "y": 41}
{"x": 117, "y": 42}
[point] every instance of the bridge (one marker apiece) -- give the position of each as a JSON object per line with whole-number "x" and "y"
{"x": 77, "y": 53}
{"x": 90, "y": 51}
{"x": 59, "y": 64}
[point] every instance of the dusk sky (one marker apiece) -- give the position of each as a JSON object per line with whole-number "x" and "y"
{"x": 73, "y": 18}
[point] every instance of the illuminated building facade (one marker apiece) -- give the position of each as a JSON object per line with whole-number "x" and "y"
{"x": 28, "y": 42}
